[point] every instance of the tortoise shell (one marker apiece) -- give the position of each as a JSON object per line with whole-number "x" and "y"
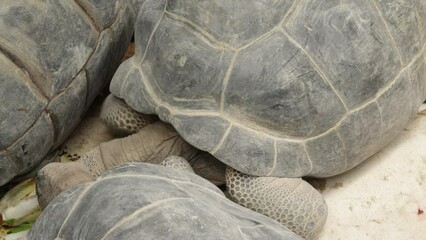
{"x": 146, "y": 201}
{"x": 280, "y": 88}
{"x": 55, "y": 56}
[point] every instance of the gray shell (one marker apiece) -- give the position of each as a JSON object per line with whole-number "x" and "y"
{"x": 145, "y": 201}
{"x": 280, "y": 88}
{"x": 55, "y": 56}
{"x": 136, "y": 4}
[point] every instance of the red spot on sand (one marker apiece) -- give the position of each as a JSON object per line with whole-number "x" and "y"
{"x": 420, "y": 211}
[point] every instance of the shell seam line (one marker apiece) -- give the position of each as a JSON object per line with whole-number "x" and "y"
{"x": 382, "y": 19}
{"x": 225, "y": 135}
{"x": 309, "y": 158}
{"x": 149, "y": 89}
{"x": 27, "y": 130}
{"x": 153, "y": 33}
{"x": 14, "y": 59}
{"x": 291, "y": 11}
{"x": 83, "y": 68}
{"x": 107, "y": 27}
{"x": 344, "y": 147}
{"x": 76, "y": 203}
{"x": 403, "y": 69}
{"x": 275, "y": 158}
{"x": 241, "y": 232}
{"x": 134, "y": 214}
{"x": 226, "y": 80}
{"x": 55, "y": 134}
{"x": 114, "y": 19}
{"x": 254, "y": 41}
{"x": 274, "y": 29}
{"x": 203, "y": 32}
{"x": 316, "y": 67}
{"x": 91, "y": 20}
{"x": 124, "y": 82}
{"x": 379, "y": 93}
{"x": 173, "y": 181}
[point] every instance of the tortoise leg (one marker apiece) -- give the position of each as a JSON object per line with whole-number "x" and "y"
{"x": 290, "y": 201}
{"x": 122, "y": 119}
{"x": 152, "y": 144}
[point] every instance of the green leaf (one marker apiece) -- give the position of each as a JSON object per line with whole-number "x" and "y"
{"x": 23, "y": 227}
{"x": 9, "y": 222}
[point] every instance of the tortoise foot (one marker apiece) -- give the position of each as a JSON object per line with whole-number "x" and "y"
{"x": 290, "y": 201}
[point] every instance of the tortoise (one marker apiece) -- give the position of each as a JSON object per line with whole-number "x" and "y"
{"x": 290, "y": 201}
{"x": 313, "y": 88}
{"x": 55, "y": 56}
{"x": 146, "y": 201}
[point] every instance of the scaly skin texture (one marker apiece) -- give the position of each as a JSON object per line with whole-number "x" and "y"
{"x": 122, "y": 119}
{"x": 178, "y": 163}
{"x": 290, "y": 201}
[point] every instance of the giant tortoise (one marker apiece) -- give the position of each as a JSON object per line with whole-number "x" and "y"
{"x": 276, "y": 90}
{"x": 55, "y": 56}
{"x": 279, "y": 88}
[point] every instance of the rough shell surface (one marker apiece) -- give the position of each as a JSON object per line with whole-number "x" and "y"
{"x": 280, "y": 88}
{"x": 144, "y": 201}
{"x": 137, "y": 4}
{"x": 54, "y": 58}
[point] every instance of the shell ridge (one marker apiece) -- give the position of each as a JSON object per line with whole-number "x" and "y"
{"x": 86, "y": 15}
{"x": 383, "y": 21}
{"x": 80, "y": 197}
{"x": 316, "y": 67}
{"x": 134, "y": 214}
